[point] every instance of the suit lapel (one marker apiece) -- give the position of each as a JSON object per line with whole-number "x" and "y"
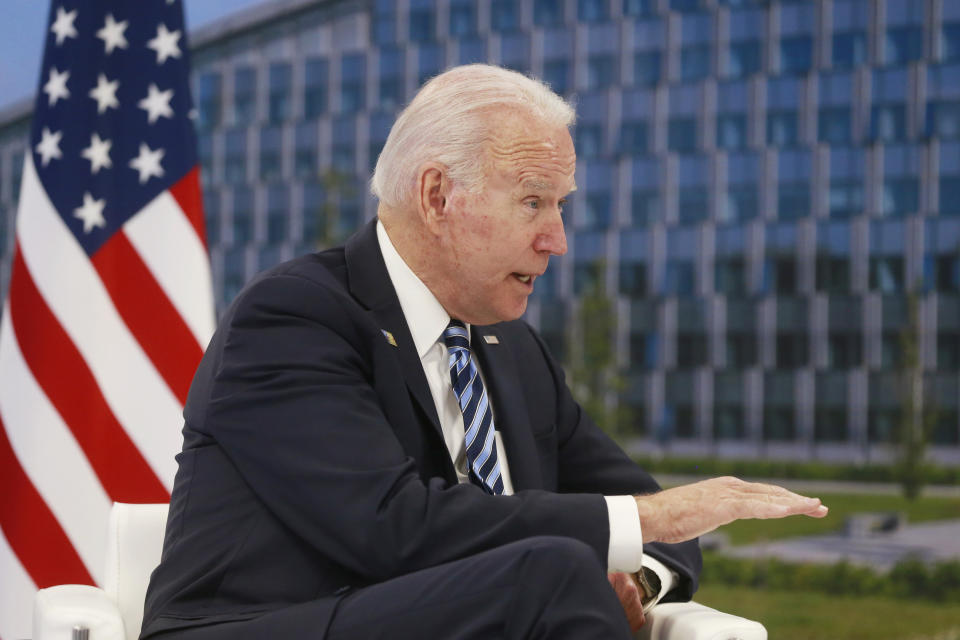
{"x": 509, "y": 406}
{"x": 370, "y": 284}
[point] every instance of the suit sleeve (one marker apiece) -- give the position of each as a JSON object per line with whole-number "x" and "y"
{"x": 294, "y": 403}
{"x": 591, "y": 462}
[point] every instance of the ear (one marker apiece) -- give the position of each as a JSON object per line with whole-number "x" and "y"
{"x": 433, "y": 188}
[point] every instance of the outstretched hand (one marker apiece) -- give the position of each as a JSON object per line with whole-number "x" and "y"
{"x": 685, "y": 512}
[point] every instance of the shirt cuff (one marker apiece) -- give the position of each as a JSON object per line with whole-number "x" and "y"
{"x": 668, "y": 579}
{"x": 625, "y": 552}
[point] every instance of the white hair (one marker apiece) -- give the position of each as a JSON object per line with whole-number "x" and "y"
{"x": 448, "y": 122}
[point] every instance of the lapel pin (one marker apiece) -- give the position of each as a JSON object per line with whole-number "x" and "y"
{"x": 491, "y": 339}
{"x": 389, "y": 337}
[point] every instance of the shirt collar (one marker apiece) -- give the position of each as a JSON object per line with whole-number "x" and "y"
{"x": 425, "y": 316}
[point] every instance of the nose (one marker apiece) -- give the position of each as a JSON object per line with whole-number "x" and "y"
{"x": 552, "y": 238}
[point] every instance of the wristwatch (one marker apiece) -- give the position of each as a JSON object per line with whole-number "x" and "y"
{"x": 648, "y": 582}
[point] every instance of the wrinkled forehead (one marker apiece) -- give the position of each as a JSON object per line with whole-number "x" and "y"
{"x": 530, "y": 152}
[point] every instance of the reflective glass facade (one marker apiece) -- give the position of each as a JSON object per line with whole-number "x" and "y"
{"x": 763, "y": 187}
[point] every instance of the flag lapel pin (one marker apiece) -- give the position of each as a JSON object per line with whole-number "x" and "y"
{"x": 389, "y": 336}
{"x": 491, "y": 339}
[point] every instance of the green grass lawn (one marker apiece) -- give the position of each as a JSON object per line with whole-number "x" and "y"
{"x": 841, "y": 505}
{"x": 800, "y": 615}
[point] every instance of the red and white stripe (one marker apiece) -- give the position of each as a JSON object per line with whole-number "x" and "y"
{"x": 96, "y": 356}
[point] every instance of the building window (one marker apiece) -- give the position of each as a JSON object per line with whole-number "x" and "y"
{"x": 210, "y": 101}
{"x": 352, "y": 82}
{"x": 888, "y": 123}
{"x": 638, "y": 8}
{"x": 597, "y": 212}
{"x": 601, "y": 71}
{"x": 694, "y": 63}
{"x": 849, "y": 49}
{"x": 832, "y": 273}
{"x": 646, "y": 68}
{"x": 792, "y": 350}
{"x": 679, "y": 277}
{"x": 844, "y": 349}
{"x": 242, "y": 216}
{"x": 587, "y": 276}
{"x": 693, "y": 204}
{"x": 692, "y": 350}
{"x": 244, "y": 95}
{"x": 547, "y": 13}
{"x": 903, "y": 45}
{"x": 682, "y": 134}
{"x": 556, "y": 73}
{"x": 950, "y": 195}
{"x": 732, "y": 131}
{"x": 422, "y": 25}
{"x": 834, "y": 125}
{"x": 741, "y": 349}
{"x": 643, "y": 350}
{"x": 782, "y": 129}
{"x": 280, "y": 107}
{"x": 384, "y": 28}
{"x": 463, "y": 19}
{"x": 948, "y": 350}
{"x": 211, "y": 210}
{"x": 796, "y": 54}
{"x": 589, "y": 140}
{"x": 943, "y": 120}
{"x": 845, "y": 198}
{"x": 316, "y": 71}
{"x": 270, "y": 148}
{"x": 390, "y": 90}
{"x": 592, "y": 10}
{"x": 235, "y": 161}
{"x": 504, "y": 15}
{"x": 830, "y": 424}
{"x": 887, "y": 274}
{"x": 901, "y": 196}
{"x": 950, "y": 42}
{"x": 644, "y": 207}
{"x": 741, "y": 203}
{"x": 779, "y": 423}
{"x": 793, "y": 200}
{"x": 746, "y": 57}
{"x": 278, "y": 214}
{"x": 633, "y": 279}
{"x": 305, "y": 150}
{"x": 633, "y": 138}
{"x": 728, "y": 422}
{"x": 730, "y": 276}
{"x": 780, "y": 274}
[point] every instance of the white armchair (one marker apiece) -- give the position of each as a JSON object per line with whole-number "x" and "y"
{"x": 134, "y": 543}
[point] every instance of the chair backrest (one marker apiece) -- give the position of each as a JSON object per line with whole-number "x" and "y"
{"x": 134, "y": 543}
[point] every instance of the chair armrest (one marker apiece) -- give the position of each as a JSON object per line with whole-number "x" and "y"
{"x": 57, "y": 610}
{"x": 692, "y": 621}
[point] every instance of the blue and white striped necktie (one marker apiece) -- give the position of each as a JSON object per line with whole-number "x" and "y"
{"x": 477, "y": 416}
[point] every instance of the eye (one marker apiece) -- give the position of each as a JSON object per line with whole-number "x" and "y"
{"x": 533, "y": 204}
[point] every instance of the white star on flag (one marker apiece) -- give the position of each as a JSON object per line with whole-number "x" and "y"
{"x": 98, "y": 153}
{"x": 165, "y": 44}
{"x": 105, "y": 93}
{"x": 112, "y": 34}
{"x": 148, "y": 163}
{"x": 91, "y": 213}
{"x": 157, "y": 103}
{"x": 56, "y": 86}
{"x": 49, "y": 146}
{"x": 63, "y": 25}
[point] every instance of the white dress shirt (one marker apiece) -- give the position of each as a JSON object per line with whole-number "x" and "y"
{"x": 427, "y": 320}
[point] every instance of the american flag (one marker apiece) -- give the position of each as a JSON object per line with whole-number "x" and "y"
{"x": 110, "y": 302}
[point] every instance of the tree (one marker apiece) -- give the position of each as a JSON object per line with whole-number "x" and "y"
{"x": 595, "y": 377}
{"x": 918, "y": 413}
{"x": 337, "y": 185}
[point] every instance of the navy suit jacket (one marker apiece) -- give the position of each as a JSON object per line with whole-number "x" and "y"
{"x": 313, "y": 461}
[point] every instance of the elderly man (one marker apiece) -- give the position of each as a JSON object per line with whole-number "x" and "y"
{"x": 376, "y": 446}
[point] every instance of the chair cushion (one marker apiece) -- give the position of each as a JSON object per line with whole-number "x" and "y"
{"x": 57, "y": 610}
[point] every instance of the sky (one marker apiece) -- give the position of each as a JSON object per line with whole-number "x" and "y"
{"x": 23, "y": 29}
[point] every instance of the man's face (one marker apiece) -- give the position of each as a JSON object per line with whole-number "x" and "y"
{"x": 501, "y": 239}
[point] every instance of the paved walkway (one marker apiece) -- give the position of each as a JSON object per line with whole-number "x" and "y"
{"x": 928, "y": 541}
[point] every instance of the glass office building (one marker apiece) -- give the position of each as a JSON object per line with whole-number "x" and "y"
{"x": 766, "y": 187}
